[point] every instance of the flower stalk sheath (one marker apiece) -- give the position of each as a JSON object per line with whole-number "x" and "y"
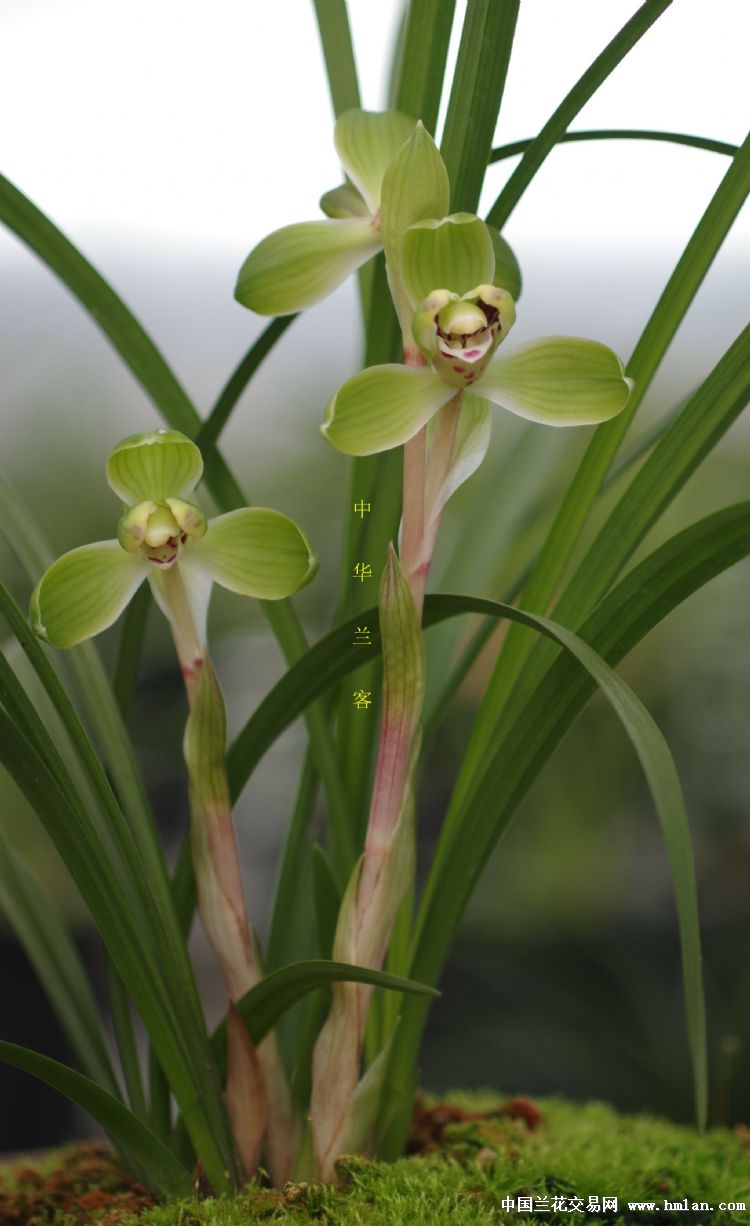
{"x": 340, "y": 1109}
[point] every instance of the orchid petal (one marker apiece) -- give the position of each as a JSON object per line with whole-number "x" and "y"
{"x": 154, "y": 466}
{"x": 344, "y": 201}
{"x": 559, "y": 381}
{"x": 382, "y": 407}
{"x": 295, "y": 267}
{"x": 197, "y": 587}
{"x": 415, "y": 186}
{"x": 366, "y": 141}
{"x": 254, "y": 552}
{"x": 469, "y": 449}
{"x": 456, "y": 252}
{"x": 84, "y": 592}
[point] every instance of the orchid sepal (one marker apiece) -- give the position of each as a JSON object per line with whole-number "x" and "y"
{"x": 163, "y": 537}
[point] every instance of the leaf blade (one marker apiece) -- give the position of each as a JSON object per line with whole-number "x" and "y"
{"x": 169, "y": 1176}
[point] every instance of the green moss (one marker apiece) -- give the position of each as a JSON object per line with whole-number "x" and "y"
{"x": 577, "y": 1151}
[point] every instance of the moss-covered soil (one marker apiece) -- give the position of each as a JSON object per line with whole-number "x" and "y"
{"x": 474, "y": 1159}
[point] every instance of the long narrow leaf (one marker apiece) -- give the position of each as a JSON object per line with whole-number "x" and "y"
{"x": 569, "y": 138}
{"x": 573, "y": 102}
{"x": 208, "y": 435}
{"x": 122, "y": 1023}
{"x": 166, "y": 1175}
{"x": 583, "y": 490}
{"x": 639, "y": 602}
{"x": 145, "y": 361}
{"x": 476, "y": 94}
{"x": 336, "y": 40}
{"x": 44, "y": 935}
{"x": 696, "y": 430}
{"x": 129, "y": 647}
{"x": 425, "y": 50}
{"x": 118, "y": 901}
{"x": 264, "y": 1004}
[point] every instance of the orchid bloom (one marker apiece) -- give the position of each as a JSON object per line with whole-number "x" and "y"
{"x": 558, "y": 381}
{"x": 168, "y": 541}
{"x": 298, "y": 265}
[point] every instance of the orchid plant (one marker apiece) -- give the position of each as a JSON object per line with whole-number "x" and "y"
{"x": 242, "y": 1101}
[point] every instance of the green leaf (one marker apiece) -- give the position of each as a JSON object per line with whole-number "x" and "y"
{"x": 43, "y": 933}
{"x": 477, "y": 91}
{"x": 208, "y": 435}
{"x": 327, "y": 896}
{"x": 125, "y": 671}
{"x": 264, "y": 1004}
{"x": 420, "y": 70}
{"x": 566, "y": 138}
{"x": 382, "y": 407}
{"x": 254, "y": 552}
{"x": 366, "y": 142}
{"x": 687, "y": 560}
{"x": 336, "y": 40}
{"x": 148, "y": 366}
{"x": 295, "y": 267}
{"x": 154, "y": 466}
{"x": 106, "y": 867}
{"x": 454, "y": 253}
{"x": 572, "y": 103}
{"x": 700, "y": 424}
{"x": 566, "y": 529}
{"x": 650, "y": 591}
{"x": 507, "y": 269}
{"x": 167, "y": 1176}
{"x": 127, "y": 1049}
{"x": 559, "y": 381}
{"x": 84, "y": 592}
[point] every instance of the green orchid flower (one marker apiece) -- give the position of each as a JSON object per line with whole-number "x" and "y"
{"x": 298, "y": 265}
{"x": 168, "y": 541}
{"x": 558, "y": 381}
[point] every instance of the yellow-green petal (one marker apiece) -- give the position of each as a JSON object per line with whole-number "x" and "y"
{"x": 154, "y": 466}
{"x": 254, "y": 552}
{"x": 559, "y": 381}
{"x": 295, "y": 267}
{"x": 455, "y": 253}
{"x": 382, "y": 407}
{"x": 415, "y": 186}
{"x": 344, "y": 201}
{"x": 469, "y": 449}
{"x": 84, "y": 592}
{"x": 197, "y": 588}
{"x": 366, "y": 141}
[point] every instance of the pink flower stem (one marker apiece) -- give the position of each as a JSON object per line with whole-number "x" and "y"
{"x": 413, "y": 508}
{"x": 258, "y": 1097}
{"x": 386, "y": 871}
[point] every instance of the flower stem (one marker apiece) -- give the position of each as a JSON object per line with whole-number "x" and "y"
{"x": 385, "y": 872}
{"x": 258, "y": 1096}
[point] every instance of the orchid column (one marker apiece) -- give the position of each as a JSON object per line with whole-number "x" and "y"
{"x": 255, "y": 552}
